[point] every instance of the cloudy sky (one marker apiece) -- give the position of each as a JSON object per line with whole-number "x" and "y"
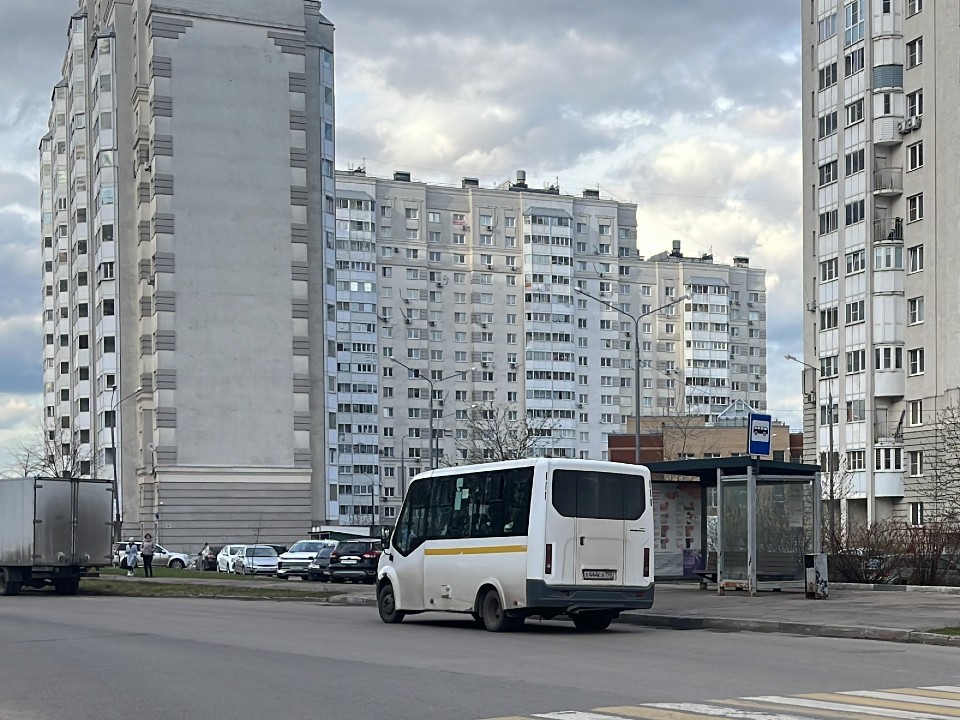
{"x": 690, "y": 108}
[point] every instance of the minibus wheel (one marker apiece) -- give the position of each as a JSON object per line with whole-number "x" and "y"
{"x": 495, "y": 618}
{"x": 387, "y": 605}
{"x": 592, "y": 621}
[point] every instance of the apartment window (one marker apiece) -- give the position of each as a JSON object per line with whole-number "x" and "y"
{"x": 914, "y": 6}
{"x": 854, "y": 112}
{"x": 829, "y": 270}
{"x": 915, "y": 308}
{"x": 434, "y": 256}
{"x": 856, "y": 411}
{"x": 827, "y": 27}
{"x": 853, "y": 22}
{"x": 888, "y": 459}
{"x": 856, "y": 261}
{"x": 856, "y": 460}
{"x": 853, "y": 62}
{"x": 855, "y": 212}
{"x": 829, "y": 318}
{"x": 916, "y": 513}
{"x": 915, "y": 207}
{"x": 854, "y": 312}
{"x": 856, "y": 361}
{"x": 433, "y": 236}
{"x": 888, "y": 257}
{"x": 412, "y": 213}
{"x": 412, "y": 234}
{"x": 828, "y": 173}
{"x": 915, "y": 258}
{"x": 825, "y": 414}
{"x": 915, "y": 103}
{"x": 827, "y": 124}
{"x": 915, "y": 412}
{"x": 828, "y": 76}
{"x": 828, "y": 222}
{"x": 829, "y": 366}
{"x": 915, "y": 462}
{"x": 914, "y": 53}
{"x": 915, "y": 361}
{"x": 854, "y": 162}
{"x": 915, "y": 156}
{"x": 888, "y": 358}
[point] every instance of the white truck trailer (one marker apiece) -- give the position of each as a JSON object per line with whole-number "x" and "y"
{"x": 52, "y": 530}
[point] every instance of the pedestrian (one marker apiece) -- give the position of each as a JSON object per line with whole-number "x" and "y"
{"x": 147, "y": 548}
{"x": 131, "y": 551}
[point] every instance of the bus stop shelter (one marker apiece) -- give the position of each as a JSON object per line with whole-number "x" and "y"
{"x": 767, "y": 519}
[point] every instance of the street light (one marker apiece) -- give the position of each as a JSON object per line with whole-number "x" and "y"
{"x": 113, "y": 442}
{"x": 831, "y": 512}
{"x": 636, "y": 357}
{"x": 417, "y": 374}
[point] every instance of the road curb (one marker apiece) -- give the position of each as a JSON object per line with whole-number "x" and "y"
{"x": 882, "y": 587}
{"x": 791, "y": 628}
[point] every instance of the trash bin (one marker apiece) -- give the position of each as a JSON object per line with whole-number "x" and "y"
{"x": 815, "y": 572}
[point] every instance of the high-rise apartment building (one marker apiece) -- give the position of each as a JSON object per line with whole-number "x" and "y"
{"x": 188, "y": 233}
{"x": 880, "y": 258}
{"x": 453, "y": 301}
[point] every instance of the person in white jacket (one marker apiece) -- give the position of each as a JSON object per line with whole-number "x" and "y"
{"x": 131, "y": 551}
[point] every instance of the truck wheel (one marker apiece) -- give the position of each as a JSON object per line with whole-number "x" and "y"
{"x": 66, "y": 586}
{"x": 8, "y": 586}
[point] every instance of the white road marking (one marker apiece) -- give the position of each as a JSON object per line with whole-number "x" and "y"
{"x": 919, "y": 699}
{"x": 717, "y": 711}
{"x": 844, "y": 707}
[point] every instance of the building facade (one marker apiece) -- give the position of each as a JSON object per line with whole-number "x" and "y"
{"x": 878, "y": 332}
{"x": 188, "y": 232}
{"x": 459, "y": 306}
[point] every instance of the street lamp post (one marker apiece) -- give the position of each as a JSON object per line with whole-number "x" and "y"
{"x": 116, "y": 456}
{"x": 636, "y": 358}
{"x": 831, "y": 490}
{"x": 417, "y": 374}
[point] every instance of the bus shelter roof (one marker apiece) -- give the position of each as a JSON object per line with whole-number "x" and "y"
{"x": 705, "y": 469}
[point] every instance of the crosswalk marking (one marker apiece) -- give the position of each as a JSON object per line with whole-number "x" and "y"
{"x": 935, "y": 702}
{"x": 902, "y": 697}
{"x": 813, "y": 703}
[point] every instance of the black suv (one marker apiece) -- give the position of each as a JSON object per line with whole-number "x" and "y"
{"x": 355, "y": 560}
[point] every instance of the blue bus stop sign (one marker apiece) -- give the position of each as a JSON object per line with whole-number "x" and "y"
{"x": 759, "y": 434}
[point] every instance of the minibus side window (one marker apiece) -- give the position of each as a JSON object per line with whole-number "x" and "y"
{"x": 411, "y": 530}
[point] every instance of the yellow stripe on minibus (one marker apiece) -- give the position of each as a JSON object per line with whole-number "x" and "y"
{"x": 476, "y": 550}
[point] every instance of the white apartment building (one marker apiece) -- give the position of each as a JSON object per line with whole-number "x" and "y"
{"x": 188, "y": 233}
{"x": 454, "y": 299}
{"x": 880, "y": 330}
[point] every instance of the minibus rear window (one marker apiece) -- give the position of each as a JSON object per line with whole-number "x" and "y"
{"x": 598, "y": 495}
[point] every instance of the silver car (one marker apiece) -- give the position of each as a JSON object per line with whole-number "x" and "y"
{"x": 256, "y": 560}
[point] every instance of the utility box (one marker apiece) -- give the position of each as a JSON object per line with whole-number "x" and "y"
{"x": 52, "y": 530}
{"x": 815, "y": 571}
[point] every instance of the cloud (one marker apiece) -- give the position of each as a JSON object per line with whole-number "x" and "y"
{"x": 20, "y": 417}
{"x": 20, "y": 348}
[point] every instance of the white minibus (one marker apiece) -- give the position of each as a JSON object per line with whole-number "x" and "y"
{"x": 504, "y": 541}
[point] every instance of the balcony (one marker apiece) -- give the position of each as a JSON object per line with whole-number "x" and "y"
{"x": 888, "y": 230}
{"x": 887, "y": 433}
{"x": 888, "y": 383}
{"x": 888, "y": 182}
{"x": 886, "y": 130}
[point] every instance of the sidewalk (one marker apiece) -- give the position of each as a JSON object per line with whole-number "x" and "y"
{"x": 852, "y": 611}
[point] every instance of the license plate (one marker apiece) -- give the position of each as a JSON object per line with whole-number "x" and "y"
{"x": 349, "y": 561}
{"x": 599, "y": 574}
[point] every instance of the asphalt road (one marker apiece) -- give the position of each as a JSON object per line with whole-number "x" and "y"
{"x": 146, "y": 658}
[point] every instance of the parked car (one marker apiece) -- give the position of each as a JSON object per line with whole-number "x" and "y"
{"x": 319, "y": 567}
{"x": 226, "y": 556}
{"x": 355, "y": 560}
{"x": 162, "y": 557}
{"x": 208, "y": 560}
{"x": 256, "y": 560}
{"x": 294, "y": 561}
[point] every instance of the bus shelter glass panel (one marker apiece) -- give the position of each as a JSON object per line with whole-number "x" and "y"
{"x": 785, "y": 530}
{"x": 733, "y": 529}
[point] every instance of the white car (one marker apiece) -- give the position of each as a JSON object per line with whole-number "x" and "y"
{"x": 297, "y": 559}
{"x": 226, "y": 556}
{"x": 256, "y": 560}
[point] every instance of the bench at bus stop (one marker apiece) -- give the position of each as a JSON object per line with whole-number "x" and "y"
{"x": 777, "y": 567}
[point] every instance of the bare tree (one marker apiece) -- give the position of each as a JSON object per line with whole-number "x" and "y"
{"x": 499, "y": 432}
{"x": 53, "y": 452}
{"x": 939, "y": 486}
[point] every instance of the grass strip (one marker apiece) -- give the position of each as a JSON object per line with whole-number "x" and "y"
{"x": 954, "y": 631}
{"x": 135, "y": 589}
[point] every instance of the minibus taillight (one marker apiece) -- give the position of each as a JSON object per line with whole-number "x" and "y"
{"x": 646, "y": 562}
{"x": 548, "y": 560}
